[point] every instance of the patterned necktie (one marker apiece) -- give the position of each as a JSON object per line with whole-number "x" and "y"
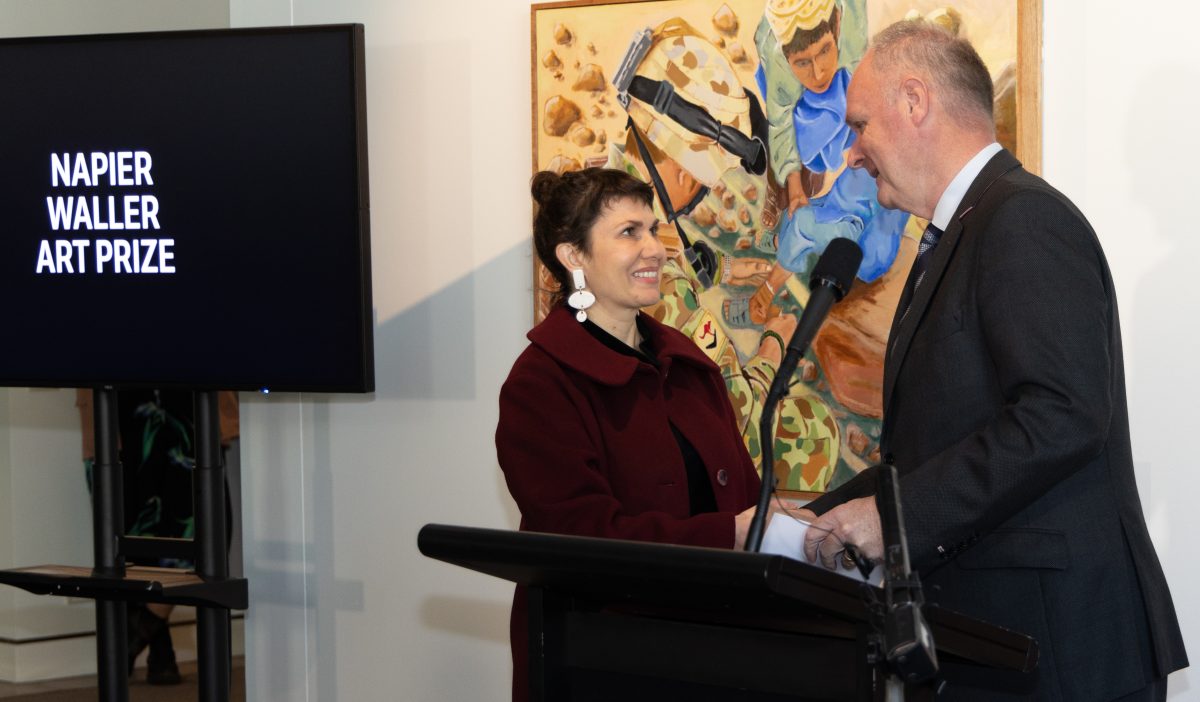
{"x": 929, "y": 240}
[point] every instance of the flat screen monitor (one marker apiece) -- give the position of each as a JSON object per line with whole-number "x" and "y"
{"x": 186, "y": 209}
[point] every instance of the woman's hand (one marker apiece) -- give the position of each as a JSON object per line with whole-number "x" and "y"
{"x": 741, "y": 523}
{"x": 741, "y": 527}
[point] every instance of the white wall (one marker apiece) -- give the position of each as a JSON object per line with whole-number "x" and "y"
{"x": 336, "y": 488}
{"x": 1119, "y": 141}
{"x": 22, "y": 18}
{"x": 44, "y": 518}
{"x": 343, "y": 605}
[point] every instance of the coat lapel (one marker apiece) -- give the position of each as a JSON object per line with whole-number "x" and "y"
{"x": 904, "y": 327}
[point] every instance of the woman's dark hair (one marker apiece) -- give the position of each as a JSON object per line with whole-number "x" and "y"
{"x": 566, "y": 207}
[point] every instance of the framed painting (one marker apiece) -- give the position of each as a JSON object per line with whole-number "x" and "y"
{"x": 743, "y": 228}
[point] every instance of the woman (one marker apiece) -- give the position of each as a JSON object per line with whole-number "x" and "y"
{"x": 612, "y": 424}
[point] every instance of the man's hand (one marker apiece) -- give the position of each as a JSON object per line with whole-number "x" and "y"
{"x": 804, "y": 515}
{"x": 855, "y": 523}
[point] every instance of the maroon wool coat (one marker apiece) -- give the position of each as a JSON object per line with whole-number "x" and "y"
{"x": 586, "y": 447}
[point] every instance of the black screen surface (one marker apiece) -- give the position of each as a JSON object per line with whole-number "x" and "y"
{"x": 186, "y": 209}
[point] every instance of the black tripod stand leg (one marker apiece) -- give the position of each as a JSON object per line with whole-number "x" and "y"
{"x": 212, "y": 623}
{"x": 108, "y": 524}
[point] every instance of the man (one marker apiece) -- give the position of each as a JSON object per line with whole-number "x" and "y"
{"x": 1004, "y": 392}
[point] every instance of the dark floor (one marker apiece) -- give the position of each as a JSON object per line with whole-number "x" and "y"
{"x": 83, "y": 689}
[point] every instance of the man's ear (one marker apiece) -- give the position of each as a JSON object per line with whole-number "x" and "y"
{"x": 569, "y": 256}
{"x": 915, "y": 95}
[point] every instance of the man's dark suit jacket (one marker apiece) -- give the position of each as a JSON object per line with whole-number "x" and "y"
{"x": 1005, "y": 415}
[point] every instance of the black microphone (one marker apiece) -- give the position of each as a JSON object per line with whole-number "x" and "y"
{"x": 831, "y": 279}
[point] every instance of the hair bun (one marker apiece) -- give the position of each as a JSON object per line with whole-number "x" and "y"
{"x": 543, "y": 185}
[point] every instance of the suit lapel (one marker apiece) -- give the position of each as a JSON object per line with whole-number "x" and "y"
{"x": 904, "y": 326}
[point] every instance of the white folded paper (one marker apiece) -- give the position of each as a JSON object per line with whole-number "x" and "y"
{"x": 785, "y": 536}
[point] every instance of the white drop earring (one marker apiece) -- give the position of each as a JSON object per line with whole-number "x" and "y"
{"x": 581, "y": 299}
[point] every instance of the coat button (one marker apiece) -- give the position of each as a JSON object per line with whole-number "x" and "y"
{"x": 723, "y": 477}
